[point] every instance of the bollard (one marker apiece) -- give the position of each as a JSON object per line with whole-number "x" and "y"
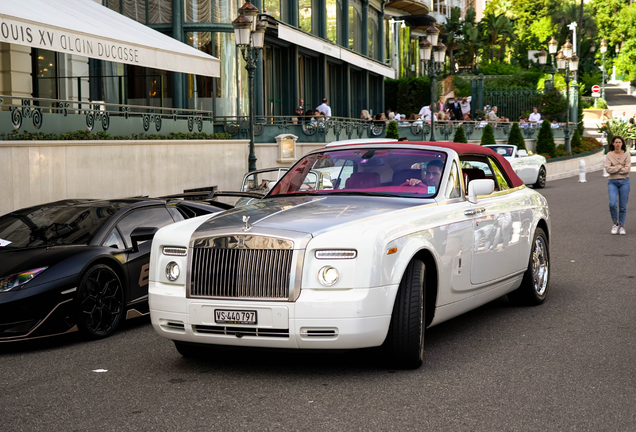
{"x": 605, "y": 173}
{"x": 582, "y": 171}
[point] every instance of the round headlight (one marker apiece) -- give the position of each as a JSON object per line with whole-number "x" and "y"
{"x": 328, "y": 276}
{"x": 172, "y": 271}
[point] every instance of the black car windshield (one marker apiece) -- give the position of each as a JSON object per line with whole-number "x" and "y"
{"x": 373, "y": 171}
{"x": 53, "y": 225}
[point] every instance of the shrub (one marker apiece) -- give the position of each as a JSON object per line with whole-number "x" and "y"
{"x": 460, "y": 136}
{"x": 545, "y": 141}
{"x": 392, "y": 130}
{"x": 601, "y": 104}
{"x": 488, "y": 137}
{"x": 85, "y": 135}
{"x": 407, "y": 95}
{"x": 576, "y": 142}
{"x": 552, "y": 105}
{"x": 515, "y": 137}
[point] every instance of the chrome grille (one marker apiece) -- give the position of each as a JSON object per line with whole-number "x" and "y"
{"x": 241, "y": 273}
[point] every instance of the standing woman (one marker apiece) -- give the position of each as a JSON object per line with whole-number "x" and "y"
{"x": 618, "y": 163}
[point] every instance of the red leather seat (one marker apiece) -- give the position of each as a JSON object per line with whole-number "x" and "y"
{"x": 362, "y": 181}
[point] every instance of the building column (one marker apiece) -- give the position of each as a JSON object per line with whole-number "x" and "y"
{"x": 321, "y": 18}
{"x": 380, "y": 41}
{"x": 292, "y": 14}
{"x": 365, "y": 28}
{"x": 178, "y": 81}
{"x": 344, "y": 28}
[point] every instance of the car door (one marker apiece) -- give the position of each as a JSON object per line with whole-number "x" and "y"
{"x": 497, "y": 225}
{"x": 137, "y": 263}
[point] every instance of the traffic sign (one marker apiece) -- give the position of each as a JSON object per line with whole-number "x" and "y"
{"x": 596, "y": 88}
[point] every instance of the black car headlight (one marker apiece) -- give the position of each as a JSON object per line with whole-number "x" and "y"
{"x": 15, "y": 281}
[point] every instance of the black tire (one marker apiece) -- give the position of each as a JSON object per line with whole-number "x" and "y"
{"x": 404, "y": 345}
{"x": 187, "y": 350}
{"x": 541, "y": 179}
{"x": 99, "y": 304}
{"x": 534, "y": 286}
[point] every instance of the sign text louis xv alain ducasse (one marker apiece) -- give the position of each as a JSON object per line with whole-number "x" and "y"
{"x": 68, "y": 42}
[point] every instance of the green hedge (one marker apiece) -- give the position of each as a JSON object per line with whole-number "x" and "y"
{"x": 105, "y": 136}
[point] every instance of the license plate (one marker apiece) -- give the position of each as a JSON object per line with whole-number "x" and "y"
{"x": 222, "y": 316}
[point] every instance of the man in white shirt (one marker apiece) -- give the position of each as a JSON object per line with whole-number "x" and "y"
{"x": 622, "y": 117}
{"x": 323, "y": 107}
{"x": 534, "y": 117}
{"x": 425, "y": 113}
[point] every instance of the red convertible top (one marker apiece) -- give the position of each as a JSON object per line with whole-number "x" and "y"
{"x": 461, "y": 149}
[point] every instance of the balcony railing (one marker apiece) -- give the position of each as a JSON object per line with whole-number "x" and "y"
{"x": 55, "y": 116}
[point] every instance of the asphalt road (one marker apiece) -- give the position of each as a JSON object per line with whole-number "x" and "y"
{"x": 568, "y": 365}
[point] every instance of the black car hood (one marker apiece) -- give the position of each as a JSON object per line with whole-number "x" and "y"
{"x": 18, "y": 260}
{"x": 308, "y": 214}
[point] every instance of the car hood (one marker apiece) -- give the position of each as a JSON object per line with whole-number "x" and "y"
{"x": 308, "y": 214}
{"x": 19, "y": 260}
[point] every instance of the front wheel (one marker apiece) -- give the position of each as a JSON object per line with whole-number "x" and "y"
{"x": 100, "y": 302}
{"x": 534, "y": 286}
{"x": 541, "y": 179}
{"x": 404, "y": 344}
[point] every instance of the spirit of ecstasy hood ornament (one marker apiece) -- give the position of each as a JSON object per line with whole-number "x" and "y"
{"x": 247, "y": 227}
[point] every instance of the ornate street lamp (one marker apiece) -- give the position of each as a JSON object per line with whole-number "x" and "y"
{"x": 552, "y": 49}
{"x": 249, "y": 33}
{"x": 603, "y": 51}
{"x": 567, "y": 63}
{"x": 432, "y": 64}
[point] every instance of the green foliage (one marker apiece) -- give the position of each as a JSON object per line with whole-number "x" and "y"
{"x": 545, "y": 141}
{"x": 392, "y": 130}
{"x": 498, "y": 68}
{"x": 488, "y": 136}
{"x": 84, "y": 135}
{"x": 601, "y": 104}
{"x": 614, "y": 127}
{"x": 461, "y": 87}
{"x": 460, "y": 136}
{"x": 552, "y": 105}
{"x": 589, "y": 79}
{"x": 407, "y": 95}
{"x": 525, "y": 79}
{"x": 516, "y": 138}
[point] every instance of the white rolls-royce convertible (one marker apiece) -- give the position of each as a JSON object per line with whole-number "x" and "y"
{"x": 531, "y": 168}
{"x": 390, "y": 239}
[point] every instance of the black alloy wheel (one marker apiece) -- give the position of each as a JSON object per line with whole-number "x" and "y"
{"x": 99, "y": 302}
{"x": 404, "y": 345}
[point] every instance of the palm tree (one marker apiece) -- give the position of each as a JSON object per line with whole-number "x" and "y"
{"x": 496, "y": 27}
{"x": 452, "y": 30}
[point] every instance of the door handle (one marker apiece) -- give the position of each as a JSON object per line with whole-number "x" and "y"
{"x": 473, "y": 212}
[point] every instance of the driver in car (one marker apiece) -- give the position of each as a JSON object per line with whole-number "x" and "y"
{"x": 431, "y": 177}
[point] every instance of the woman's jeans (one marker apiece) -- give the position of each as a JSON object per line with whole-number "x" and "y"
{"x": 618, "y": 190}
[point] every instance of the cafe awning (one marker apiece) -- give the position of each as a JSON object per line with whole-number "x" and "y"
{"x": 86, "y": 28}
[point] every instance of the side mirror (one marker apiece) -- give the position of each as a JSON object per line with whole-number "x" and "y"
{"x": 522, "y": 153}
{"x": 141, "y": 234}
{"x": 480, "y": 187}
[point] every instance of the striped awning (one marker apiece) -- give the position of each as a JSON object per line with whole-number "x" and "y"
{"x": 86, "y": 28}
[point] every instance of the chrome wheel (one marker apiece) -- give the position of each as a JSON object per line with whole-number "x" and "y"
{"x": 535, "y": 283}
{"x": 541, "y": 179}
{"x": 540, "y": 266}
{"x": 100, "y": 302}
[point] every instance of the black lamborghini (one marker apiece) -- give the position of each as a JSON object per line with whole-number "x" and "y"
{"x": 80, "y": 264}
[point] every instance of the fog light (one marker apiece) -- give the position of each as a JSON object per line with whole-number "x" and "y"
{"x": 328, "y": 276}
{"x": 172, "y": 271}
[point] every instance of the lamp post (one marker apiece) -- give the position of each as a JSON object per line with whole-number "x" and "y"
{"x": 567, "y": 61}
{"x": 432, "y": 64}
{"x": 250, "y": 36}
{"x": 552, "y": 49}
{"x": 603, "y": 51}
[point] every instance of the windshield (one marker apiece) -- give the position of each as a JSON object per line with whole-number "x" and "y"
{"x": 52, "y": 225}
{"x": 504, "y": 150}
{"x": 392, "y": 172}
